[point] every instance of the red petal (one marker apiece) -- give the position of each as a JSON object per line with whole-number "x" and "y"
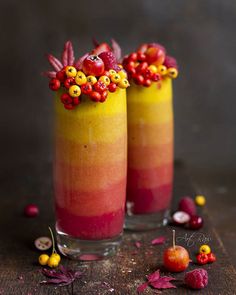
{"x": 158, "y": 241}
{"x": 71, "y": 57}
{"x": 65, "y": 54}
{"x": 79, "y": 62}
{"x": 49, "y": 74}
{"x": 162, "y": 284}
{"x": 137, "y": 244}
{"x": 142, "y": 287}
{"x": 54, "y": 62}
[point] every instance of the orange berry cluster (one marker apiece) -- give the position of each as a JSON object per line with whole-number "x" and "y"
{"x": 76, "y": 82}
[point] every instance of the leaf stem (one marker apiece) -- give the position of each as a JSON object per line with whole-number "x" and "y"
{"x": 53, "y": 241}
{"x": 173, "y": 232}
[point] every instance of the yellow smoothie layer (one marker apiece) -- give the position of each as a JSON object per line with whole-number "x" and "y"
{"x": 93, "y": 122}
{"x": 146, "y": 105}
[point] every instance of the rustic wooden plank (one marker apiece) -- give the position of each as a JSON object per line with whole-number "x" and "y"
{"x": 121, "y": 274}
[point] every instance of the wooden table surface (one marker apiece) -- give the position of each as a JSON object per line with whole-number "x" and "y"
{"x": 20, "y": 273}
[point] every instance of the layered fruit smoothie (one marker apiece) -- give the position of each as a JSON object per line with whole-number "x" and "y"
{"x": 150, "y": 134}
{"x": 90, "y": 167}
{"x": 90, "y": 159}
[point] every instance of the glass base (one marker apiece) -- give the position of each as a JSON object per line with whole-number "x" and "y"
{"x": 141, "y": 222}
{"x": 87, "y": 250}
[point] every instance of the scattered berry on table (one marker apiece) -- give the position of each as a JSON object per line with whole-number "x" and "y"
{"x": 43, "y": 259}
{"x": 202, "y": 258}
{"x": 31, "y": 210}
{"x": 187, "y": 205}
{"x": 211, "y": 257}
{"x": 43, "y": 243}
{"x": 196, "y": 222}
{"x": 196, "y": 279}
{"x": 53, "y": 262}
{"x": 200, "y": 200}
{"x": 205, "y": 249}
{"x": 180, "y": 217}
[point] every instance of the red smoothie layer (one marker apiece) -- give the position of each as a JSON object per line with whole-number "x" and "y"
{"x": 90, "y": 227}
{"x": 149, "y": 200}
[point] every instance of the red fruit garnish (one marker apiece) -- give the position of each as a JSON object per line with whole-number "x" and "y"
{"x": 170, "y": 62}
{"x": 202, "y": 258}
{"x": 31, "y": 210}
{"x": 112, "y": 87}
{"x": 180, "y": 217}
{"x": 101, "y": 48}
{"x": 176, "y": 258}
{"x": 196, "y": 222}
{"x": 196, "y": 279}
{"x": 109, "y": 60}
{"x": 76, "y": 101}
{"x": 93, "y": 65}
{"x": 158, "y": 241}
{"x": 211, "y": 257}
{"x": 142, "y": 67}
{"x": 69, "y": 106}
{"x": 141, "y": 56}
{"x": 68, "y": 82}
{"x": 187, "y": 205}
{"x": 133, "y": 56}
{"x": 61, "y": 75}
{"x": 147, "y": 82}
{"x": 54, "y": 84}
{"x": 86, "y": 88}
{"x": 104, "y": 95}
{"x": 155, "y": 55}
{"x": 66, "y": 98}
{"x": 138, "y": 79}
{"x": 100, "y": 86}
{"x": 156, "y": 77}
{"x": 95, "y": 96}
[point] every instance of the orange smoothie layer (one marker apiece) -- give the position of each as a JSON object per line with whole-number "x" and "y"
{"x": 150, "y": 149}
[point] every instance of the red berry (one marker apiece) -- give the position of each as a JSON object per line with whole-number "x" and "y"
{"x": 104, "y": 95}
{"x": 61, "y": 75}
{"x": 141, "y": 56}
{"x": 95, "y": 96}
{"x": 147, "y": 82}
{"x": 66, "y": 98}
{"x": 76, "y": 101}
{"x": 142, "y": 48}
{"x": 93, "y": 65}
{"x": 86, "y": 88}
{"x": 156, "y": 77}
{"x": 101, "y": 48}
{"x": 69, "y": 106}
{"x": 138, "y": 79}
{"x": 100, "y": 86}
{"x": 142, "y": 67}
{"x": 133, "y": 56}
{"x": 109, "y": 59}
{"x": 197, "y": 278}
{"x": 170, "y": 62}
{"x": 155, "y": 54}
{"x": 176, "y": 259}
{"x": 106, "y": 73}
{"x": 195, "y": 222}
{"x": 68, "y": 82}
{"x": 202, "y": 258}
{"x": 54, "y": 84}
{"x": 31, "y": 210}
{"x": 112, "y": 87}
{"x": 187, "y": 205}
{"x": 211, "y": 257}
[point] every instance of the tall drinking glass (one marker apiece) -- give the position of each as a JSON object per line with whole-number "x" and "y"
{"x": 90, "y": 167}
{"x": 150, "y": 154}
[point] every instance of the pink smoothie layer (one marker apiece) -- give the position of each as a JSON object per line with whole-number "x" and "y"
{"x": 90, "y": 227}
{"x": 150, "y": 200}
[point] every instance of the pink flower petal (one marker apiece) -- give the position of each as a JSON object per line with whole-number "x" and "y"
{"x": 116, "y": 49}
{"x": 49, "y": 74}
{"x": 71, "y": 57}
{"x": 79, "y": 62}
{"x": 138, "y": 244}
{"x": 54, "y": 62}
{"x": 65, "y": 54}
{"x": 154, "y": 276}
{"x": 158, "y": 241}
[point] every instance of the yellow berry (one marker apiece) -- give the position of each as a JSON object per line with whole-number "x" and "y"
{"x": 115, "y": 78}
{"x": 71, "y": 71}
{"x": 205, "y": 249}
{"x": 172, "y": 73}
{"x": 153, "y": 69}
{"x": 91, "y": 80}
{"x": 200, "y": 200}
{"x": 43, "y": 259}
{"x": 162, "y": 70}
{"x": 56, "y": 256}
{"x": 74, "y": 91}
{"x": 124, "y": 83}
{"x": 52, "y": 262}
{"x": 122, "y": 74}
{"x": 80, "y": 78}
{"x": 105, "y": 80}
{"x": 112, "y": 72}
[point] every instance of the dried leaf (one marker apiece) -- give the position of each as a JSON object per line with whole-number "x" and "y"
{"x": 162, "y": 284}
{"x": 60, "y": 277}
{"x": 142, "y": 287}
{"x": 65, "y": 54}
{"x": 54, "y": 62}
{"x": 154, "y": 276}
{"x": 71, "y": 57}
{"x": 49, "y": 74}
{"x": 79, "y": 62}
{"x": 138, "y": 244}
{"x": 158, "y": 241}
{"x": 116, "y": 49}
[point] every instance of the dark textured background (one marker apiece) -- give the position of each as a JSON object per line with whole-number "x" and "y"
{"x": 199, "y": 33}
